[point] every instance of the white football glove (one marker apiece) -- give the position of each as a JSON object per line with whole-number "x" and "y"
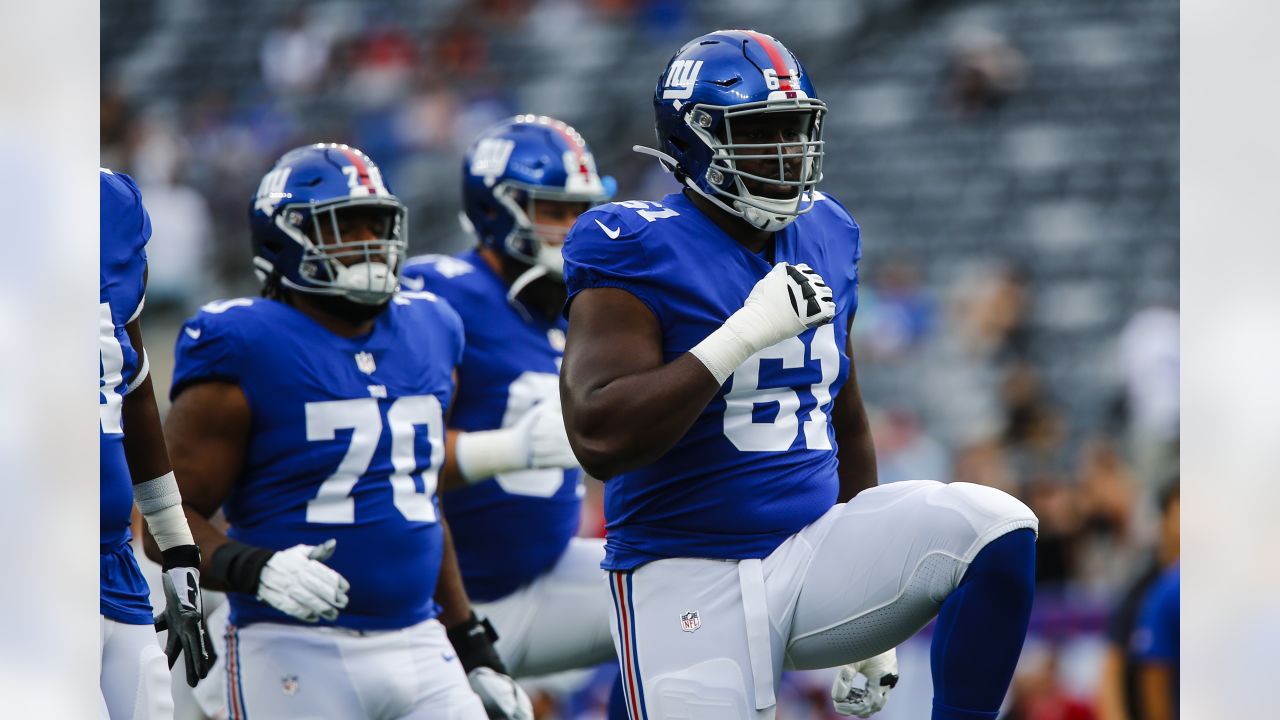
{"x": 298, "y": 583}
{"x": 503, "y": 698}
{"x": 784, "y": 303}
{"x": 537, "y": 440}
{"x": 881, "y": 673}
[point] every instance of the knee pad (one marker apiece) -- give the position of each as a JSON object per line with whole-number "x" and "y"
{"x": 991, "y": 512}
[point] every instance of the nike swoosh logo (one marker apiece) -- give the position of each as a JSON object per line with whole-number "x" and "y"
{"x": 613, "y": 234}
{"x": 413, "y": 283}
{"x": 193, "y": 333}
{"x": 447, "y": 657}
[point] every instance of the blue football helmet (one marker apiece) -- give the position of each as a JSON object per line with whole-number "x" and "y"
{"x": 294, "y": 217}
{"x": 514, "y": 163}
{"x": 724, "y": 83}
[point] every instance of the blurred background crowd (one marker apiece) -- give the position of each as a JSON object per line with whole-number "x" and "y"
{"x": 1014, "y": 167}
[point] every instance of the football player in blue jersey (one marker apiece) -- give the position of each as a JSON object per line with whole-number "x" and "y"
{"x": 135, "y": 469}
{"x": 513, "y": 485}
{"x": 708, "y": 378}
{"x": 314, "y": 417}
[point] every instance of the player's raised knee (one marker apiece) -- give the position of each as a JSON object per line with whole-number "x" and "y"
{"x": 993, "y": 512}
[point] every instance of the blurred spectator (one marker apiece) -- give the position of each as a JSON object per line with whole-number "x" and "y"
{"x": 1109, "y": 502}
{"x": 1156, "y": 647}
{"x": 1149, "y": 361}
{"x": 986, "y": 463}
{"x": 904, "y": 451}
{"x": 294, "y": 54}
{"x": 894, "y": 312}
{"x": 985, "y": 70}
{"x": 177, "y": 276}
{"x": 381, "y": 62}
{"x": 115, "y": 121}
{"x": 1119, "y": 696}
{"x": 1038, "y": 692}
{"x": 1055, "y": 502}
{"x": 460, "y": 52}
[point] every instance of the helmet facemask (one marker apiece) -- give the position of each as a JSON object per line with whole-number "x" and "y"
{"x": 539, "y": 243}
{"x": 364, "y": 271}
{"x": 791, "y": 166}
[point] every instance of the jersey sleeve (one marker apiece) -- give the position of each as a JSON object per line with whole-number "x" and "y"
{"x": 1155, "y": 639}
{"x": 125, "y": 229}
{"x": 457, "y": 332}
{"x": 126, "y": 225}
{"x": 206, "y": 350}
{"x": 603, "y": 250}
{"x": 848, "y": 248}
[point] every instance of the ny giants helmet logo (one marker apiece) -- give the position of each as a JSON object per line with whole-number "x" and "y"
{"x": 271, "y": 190}
{"x": 680, "y": 80}
{"x": 490, "y": 158}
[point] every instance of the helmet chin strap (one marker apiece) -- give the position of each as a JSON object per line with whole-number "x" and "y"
{"x": 525, "y": 279}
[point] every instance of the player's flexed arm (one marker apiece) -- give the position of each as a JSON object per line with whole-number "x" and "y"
{"x": 157, "y": 496}
{"x": 624, "y": 407}
{"x": 208, "y": 431}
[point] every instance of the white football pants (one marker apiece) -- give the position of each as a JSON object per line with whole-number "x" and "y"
{"x": 309, "y": 673}
{"x": 134, "y": 679}
{"x": 708, "y": 639}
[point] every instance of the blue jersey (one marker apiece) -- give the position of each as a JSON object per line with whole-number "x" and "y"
{"x": 347, "y": 440}
{"x": 1156, "y": 636}
{"x": 759, "y": 463}
{"x": 125, "y": 229}
{"x": 504, "y": 538}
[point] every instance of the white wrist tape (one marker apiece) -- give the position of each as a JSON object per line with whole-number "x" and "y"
{"x": 161, "y": 505}
{"x": 485, "y": 453}
{"x": 745, "y": 333}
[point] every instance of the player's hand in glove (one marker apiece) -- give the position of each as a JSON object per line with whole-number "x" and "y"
{"x": 502, "y": 697}
{"x": 183, "y": 614}
{"x": 537, "y": 440}
{"x": 881, "y": 673}
{"x": 298, "y": 583}
{"x": 548, "y": 440}
{"x": 783, "y": 304}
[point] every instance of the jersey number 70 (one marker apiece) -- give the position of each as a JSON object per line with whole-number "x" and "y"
{"x": 333, "y": 504}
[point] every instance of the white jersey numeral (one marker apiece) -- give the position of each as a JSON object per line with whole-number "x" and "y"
{"x": 403, "y": 416}
{"x": 111, "y": 372}
{"x": 333, "y": 503}
{"x": 745, "y": 393}
{"x": 642, "y": 209}
{"x": 526, "y": 391}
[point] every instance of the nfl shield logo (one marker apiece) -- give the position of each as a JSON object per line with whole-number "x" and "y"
{"x": 555, "y": 336}
{"x": 690, "y": 621}
{"x": 289, "y": 684}
{"x": 364, "y": 361}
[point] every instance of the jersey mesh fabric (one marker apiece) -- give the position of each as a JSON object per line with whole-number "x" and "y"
{"x": 759, "y": 463}
{"x": 326, "y": 407}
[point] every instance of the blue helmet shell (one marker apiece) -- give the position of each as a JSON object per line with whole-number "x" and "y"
{"x": 519, "y": 159}
{"x": 715, "y": 79}
{"x": 306, "y": 187}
